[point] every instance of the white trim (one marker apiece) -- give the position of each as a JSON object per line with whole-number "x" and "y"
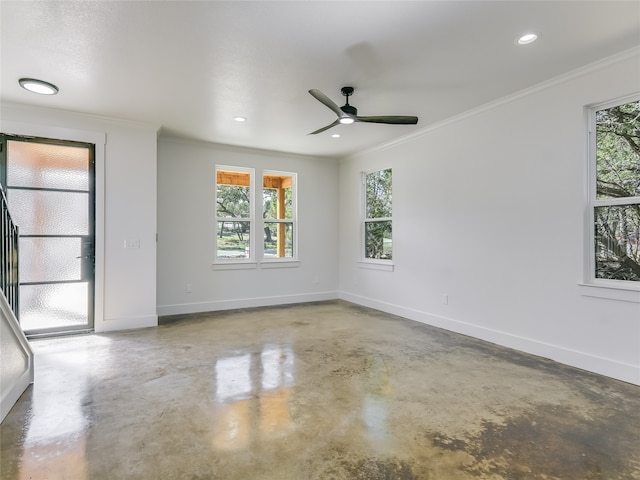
{"x": 611, "y": 292}
{"x": 251, "y": 219}
{"x": 602, "y": 288}
{"x": 376, "y": 265}
{"x": 294, "y": 214}
{"x": 99, "y": 139}
{"x": 582, "y": 360}
{"x": 279, "y": 263}
{"x": 221, "y": 265}
{"x": 217, "y": 305}
{"x": 129, "y": 323}
{"x": 364, "y": 262}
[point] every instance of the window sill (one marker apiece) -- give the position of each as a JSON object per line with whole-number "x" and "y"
{"x": 279, "y": 263}
{"x": 384, "y": 266}
{"x": 235, "y": 266}
{"x": 623, "y": 293}
{"x": 265, "y": 264}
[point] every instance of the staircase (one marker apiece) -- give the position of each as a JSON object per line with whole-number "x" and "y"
{"x": 16, "y": 356}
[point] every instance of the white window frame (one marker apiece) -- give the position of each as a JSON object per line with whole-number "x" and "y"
{"x": 256, "y": 257}
{"x": 373, "y": 263}
{"x": 281, "y": 261}
{"x": 592, "y": 286}
{"x": 249, "y": 262}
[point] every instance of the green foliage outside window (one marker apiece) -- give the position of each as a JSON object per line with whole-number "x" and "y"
{"x": 233, "y": 202}
{"x": 617, "y": 223}
{"x": 378, "y": 210}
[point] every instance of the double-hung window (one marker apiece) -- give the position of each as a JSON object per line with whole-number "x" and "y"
{"x": 278, "y": 212}
{"x": 614, "y": 193}
{"x": 248, "y": 231}
{"x": 234, "y": 213}
{"x": 377, "y": 221}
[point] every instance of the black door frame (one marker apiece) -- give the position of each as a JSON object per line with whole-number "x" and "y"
{"x": 88, "y": 251}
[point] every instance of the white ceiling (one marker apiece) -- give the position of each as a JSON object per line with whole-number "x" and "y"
{"x": 191, "y": 66}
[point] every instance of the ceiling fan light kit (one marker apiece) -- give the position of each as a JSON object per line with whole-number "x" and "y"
{"x": 349, "y": 114}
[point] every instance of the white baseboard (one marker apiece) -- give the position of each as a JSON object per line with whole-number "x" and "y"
{"x": 128, "y": 323}
{"x": 199, "y": 307}
{"x": 585, "y": 361}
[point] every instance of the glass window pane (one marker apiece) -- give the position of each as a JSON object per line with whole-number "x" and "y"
{"x": 233, "y": 239}
{"x": 42, "y": 165}
{"x": 278, "y": 240}
{"x": 617, "y": 242}
{"x": 378, "y": 243}
{"x": 42, "y": 212}
{"x": 617, "y": 154}
{"x": 233, "y": 201}
{"x": 54, "y": 305}
{"x": 50, "y": 259}
{"x": 378, "y": 194}
{"x": 277, "y": 197}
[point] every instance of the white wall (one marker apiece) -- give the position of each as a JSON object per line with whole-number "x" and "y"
{"x": 126, "y": 185}
{"x": 186, "y": 229}
{"x": 489, "y": 210}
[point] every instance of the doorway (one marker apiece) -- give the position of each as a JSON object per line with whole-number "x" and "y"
{"x": 50, "y": 188}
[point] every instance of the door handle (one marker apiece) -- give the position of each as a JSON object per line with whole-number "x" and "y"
{"x": 85, "y": 256}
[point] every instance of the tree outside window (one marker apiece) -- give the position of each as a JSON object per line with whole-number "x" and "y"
{"x": 377, "y": 212}
{"x": 233, "y": 213}
{"x": 616, "y": 206}
{"x": 237, "y": 221}
{"x": 278, "y": 214}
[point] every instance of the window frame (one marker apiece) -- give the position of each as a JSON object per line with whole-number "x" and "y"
{"x": 366, "y": 262}
{"x": 591, "y": 285}
{"x": 256, "y": 258}
{"x": 293, "y": 220}
{"x": 251, "y": 219}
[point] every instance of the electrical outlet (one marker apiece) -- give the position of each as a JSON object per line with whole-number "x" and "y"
{"x": 445, "y": 299}
{"x": 188, "y": 288}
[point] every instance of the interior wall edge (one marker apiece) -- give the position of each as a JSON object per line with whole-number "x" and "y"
{"x": 584, "y": 361}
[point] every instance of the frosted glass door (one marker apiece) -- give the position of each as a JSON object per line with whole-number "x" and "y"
{"x": 51, "y": 199}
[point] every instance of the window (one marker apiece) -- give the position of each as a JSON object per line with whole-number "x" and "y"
{"x": 614, "y": 204}
{"x": 278, "y": 214}
{"x": 234, "y": 212}
{"x": 237, "y": 221}
{"x": 377, "y": 224}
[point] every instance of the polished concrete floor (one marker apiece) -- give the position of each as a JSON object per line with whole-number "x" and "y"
{"x": 324, "y": 391}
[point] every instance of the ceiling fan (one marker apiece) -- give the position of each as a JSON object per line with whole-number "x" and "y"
{"x": 349, "y": 114}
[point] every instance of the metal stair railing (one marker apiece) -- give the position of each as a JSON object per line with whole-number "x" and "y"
{"x": 9, "y": 251}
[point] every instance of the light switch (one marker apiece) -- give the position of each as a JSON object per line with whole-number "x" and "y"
{"x": 132, "y": 243}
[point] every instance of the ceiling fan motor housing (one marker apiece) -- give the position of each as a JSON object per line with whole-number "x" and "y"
{"x": 349, "y": 109}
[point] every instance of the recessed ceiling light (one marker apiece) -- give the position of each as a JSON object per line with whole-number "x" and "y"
{"x": 38, "y": 86}
{"x": 527, "y": 39}
{"x": 336, "y": 135}
{"x": 240, "y": 119}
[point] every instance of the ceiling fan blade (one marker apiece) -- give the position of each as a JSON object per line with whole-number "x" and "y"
{"x": 390, "y": 119}
{"x": 322, "y": 98}
{"x": 320, "y": 130}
